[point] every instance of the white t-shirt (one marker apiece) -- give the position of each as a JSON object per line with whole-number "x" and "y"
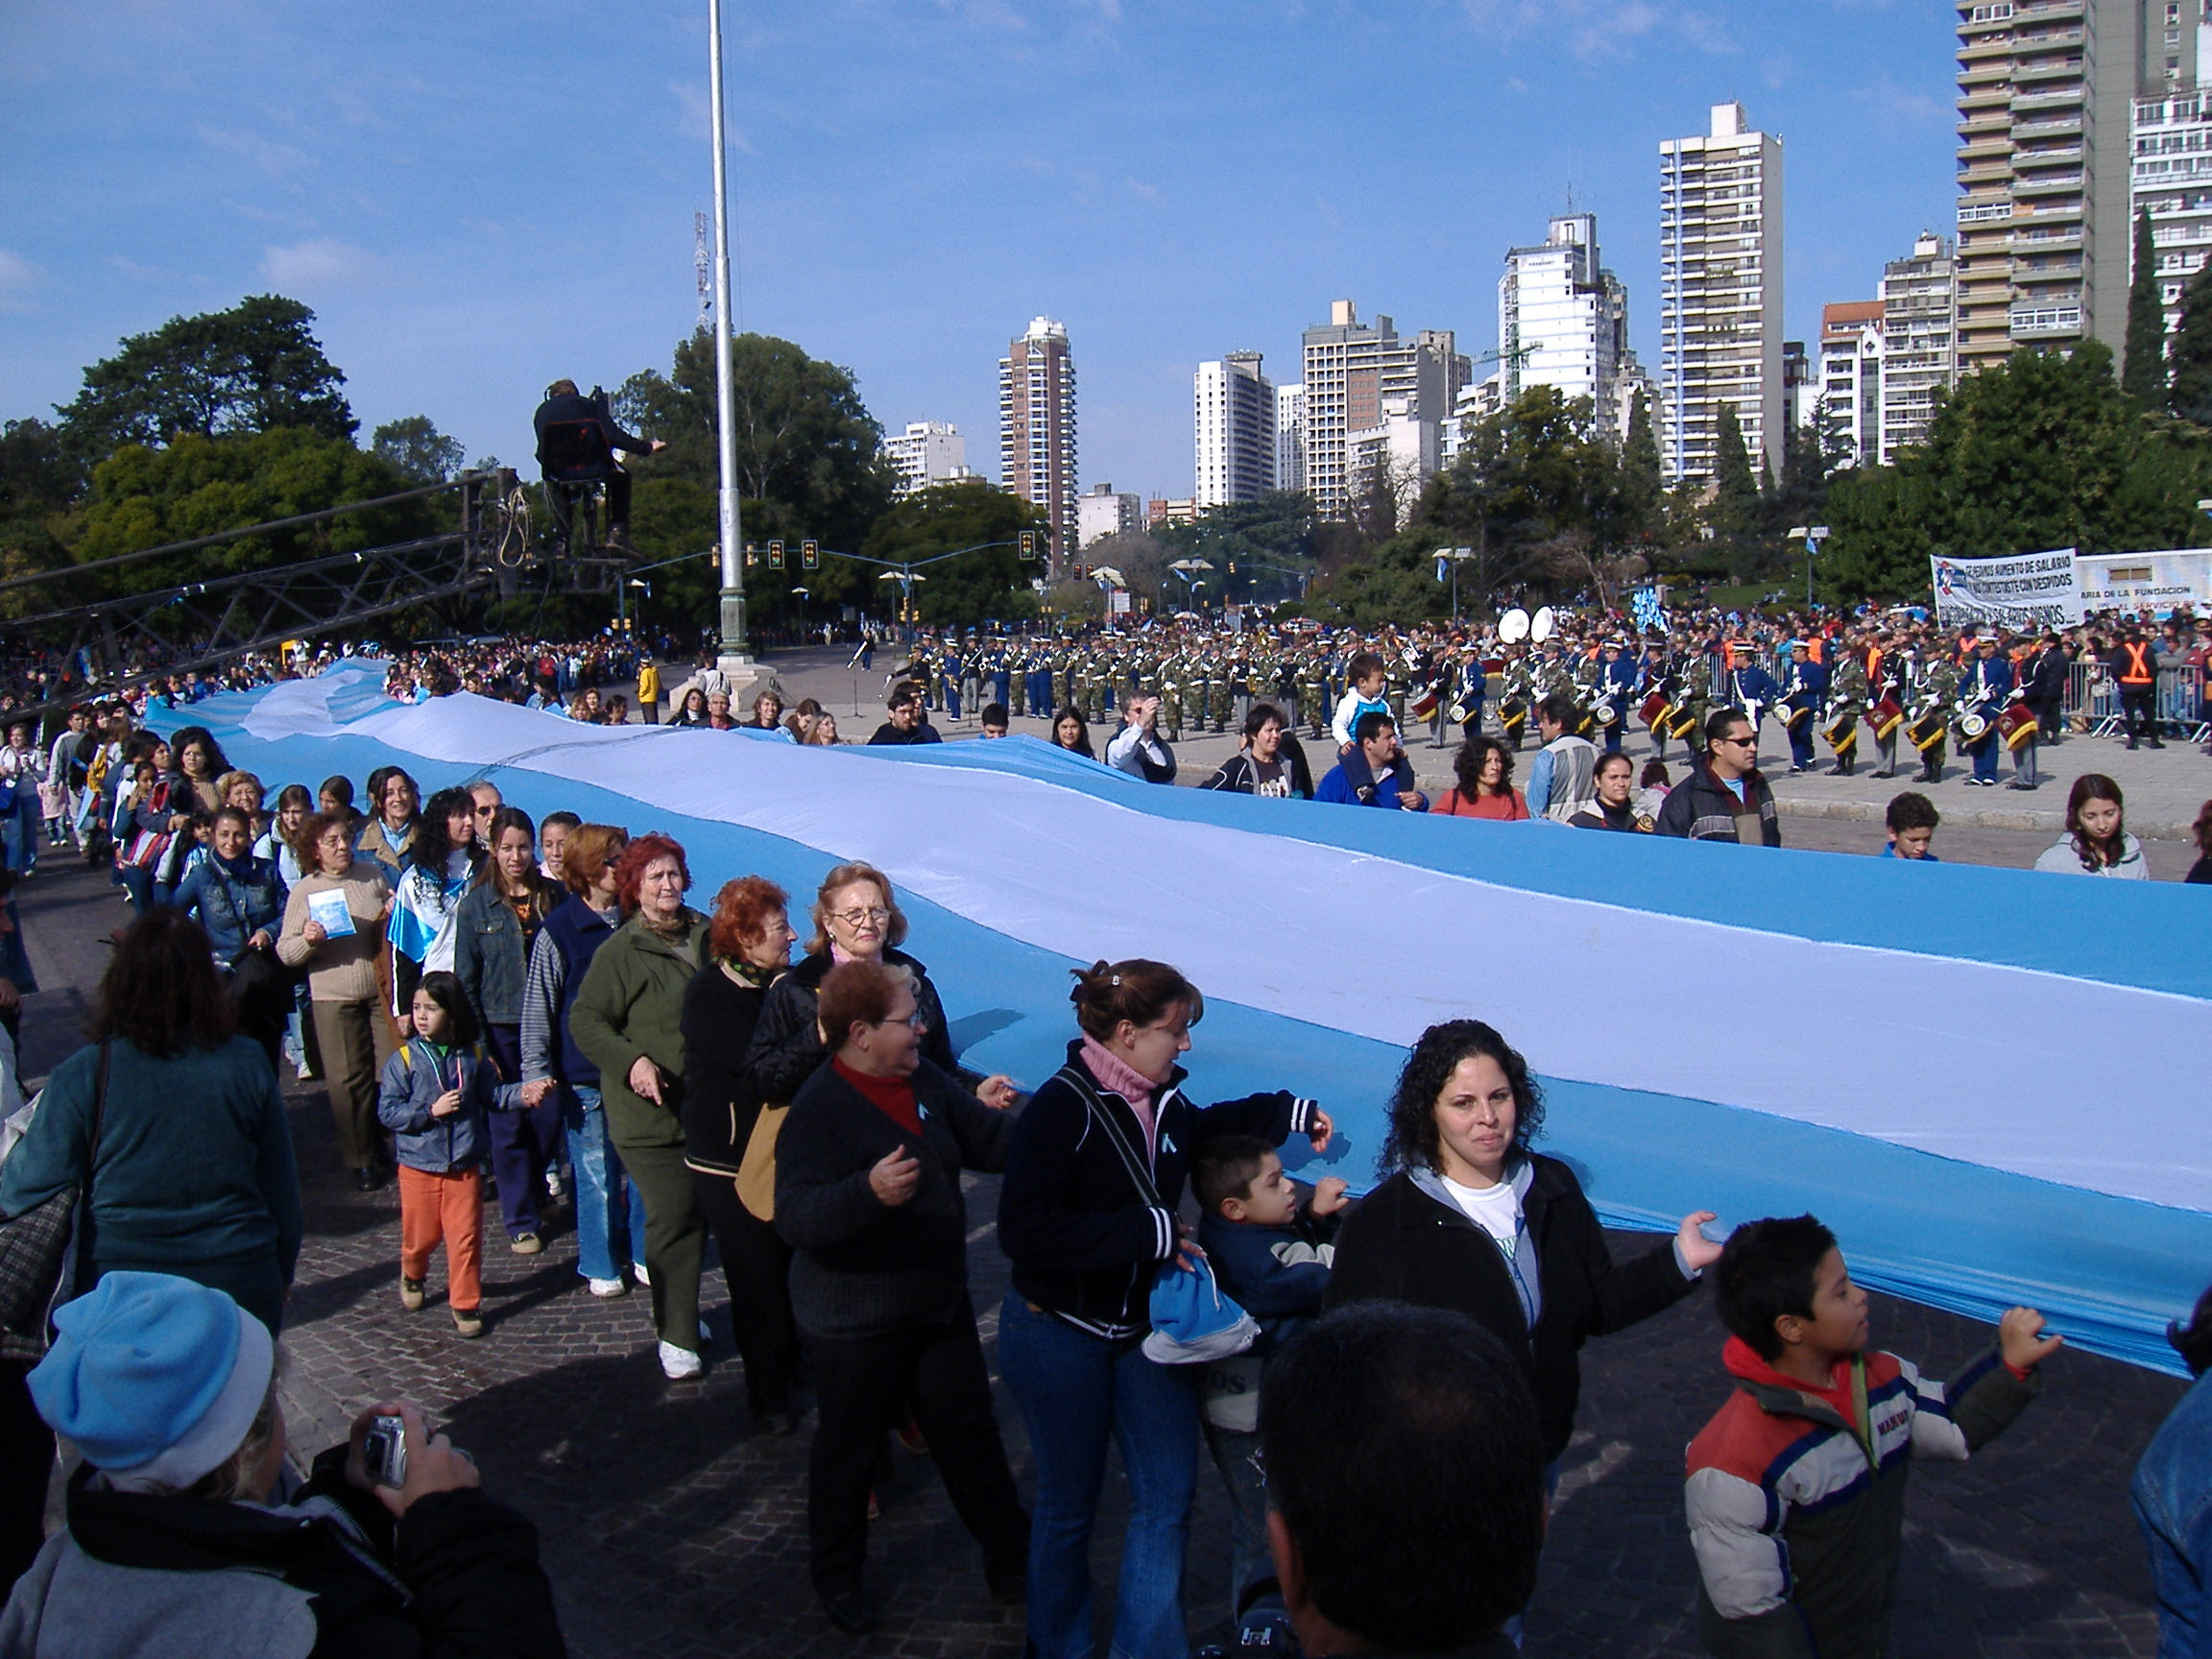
{"x": 1494, "y": 1209}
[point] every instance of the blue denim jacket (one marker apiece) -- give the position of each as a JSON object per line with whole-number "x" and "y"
{"x": 2172, "y": 1495}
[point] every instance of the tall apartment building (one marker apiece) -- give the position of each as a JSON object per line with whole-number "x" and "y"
{"x": 2172, "y": 163}
{"x": 1290, "y": 437}
{"x": 1720, "y": 291}
{"x": 1562, "y": 319}
{"x": 1233, "y": 408}
{"x": 1353, "y": 371}
{"x": 1920, "y": 340}
{"x": 1851, "y": 380}
{"x": 2046, "y": 95}
{"x": 1037, "y": 429}
{"x": 928, "y": 452}
{"x": 1104, "y": 512}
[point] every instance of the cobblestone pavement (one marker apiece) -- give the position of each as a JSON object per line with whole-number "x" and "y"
{"x": 671, "y": 1525}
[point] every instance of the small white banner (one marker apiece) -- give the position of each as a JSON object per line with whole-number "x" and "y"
{"x": 2016, "y": 591}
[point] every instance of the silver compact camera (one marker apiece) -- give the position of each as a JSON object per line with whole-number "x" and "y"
{"x": 384, "y": 1450}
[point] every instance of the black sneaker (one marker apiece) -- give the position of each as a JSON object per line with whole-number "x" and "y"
{"x": 850, "y": 1612}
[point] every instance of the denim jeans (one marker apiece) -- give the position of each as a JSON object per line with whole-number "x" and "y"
{"x": 1077, "y": 1392}
{"x": 609, "y": 1210}
{"x": 1248, "y": 1559}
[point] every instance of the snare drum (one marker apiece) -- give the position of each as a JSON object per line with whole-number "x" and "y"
{"x": 2017, "y": 725}
{"x": 1885, "y": 716}
{"x": 1653, "y": 711}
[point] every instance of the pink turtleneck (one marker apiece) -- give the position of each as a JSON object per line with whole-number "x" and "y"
{"x": 1117, "y": 1076}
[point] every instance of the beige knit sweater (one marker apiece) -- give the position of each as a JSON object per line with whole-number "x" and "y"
{"x": 341, "y": 970}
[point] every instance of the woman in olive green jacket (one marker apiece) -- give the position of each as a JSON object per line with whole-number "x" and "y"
{"x": 628, "y": 1020}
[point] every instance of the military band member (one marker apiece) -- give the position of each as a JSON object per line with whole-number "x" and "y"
{"x": 1802, "y": 694}
{"x": 1846, "y": 707}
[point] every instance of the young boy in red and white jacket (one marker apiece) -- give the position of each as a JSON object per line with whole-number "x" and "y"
{"x": 1796, "y": 1487}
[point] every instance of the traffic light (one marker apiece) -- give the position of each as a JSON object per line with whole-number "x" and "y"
{"x": 751, "y": 555}
{"x": 1028, "y": 543}
{"x": 809, "y": 554}
{"x": 775, "y": 555}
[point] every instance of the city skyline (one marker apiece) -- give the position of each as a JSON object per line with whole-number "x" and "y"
{"x": 170, "y": 160}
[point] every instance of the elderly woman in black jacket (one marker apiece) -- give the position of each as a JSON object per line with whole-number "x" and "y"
{"x": 749, "y": 945}
{"x": 1470, "y": 1220}
{"x": 857, "y": 919}
{"x": 868, "y": 1193}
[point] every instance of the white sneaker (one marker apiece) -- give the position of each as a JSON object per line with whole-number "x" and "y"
{"x": 607, "y": 1287}
{"x": 637, "y": 1272}
{"x": 679, "y": 1363}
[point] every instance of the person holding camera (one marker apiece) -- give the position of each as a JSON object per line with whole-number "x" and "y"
{"x": 187, "y": 1532}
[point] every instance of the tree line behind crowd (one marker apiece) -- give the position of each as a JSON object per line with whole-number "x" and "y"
{"x": 235, "y": 417}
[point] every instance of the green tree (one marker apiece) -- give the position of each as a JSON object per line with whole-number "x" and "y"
{"x": 2043, "y": 451}
{"x": 419, "y": 450}
{"x": 1641, "y": 485}
{"x": 2189, "y": 386}
{"x": 1734, "y": 489}
{"x": 254, "y": 368}
{"x": 40, "y": 481}
{"x": 199, "y": 486}
{"x": 991, "y": 582}
{"x": 806, "y": 442}
{"x": 1258, "y": 548}
{"x": 2142, "y": 366}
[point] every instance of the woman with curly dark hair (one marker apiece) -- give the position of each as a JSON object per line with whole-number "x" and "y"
{"x": 1484, "y": 769}
{"x": 2097, "y": 842}
{"x": 749, "y": 947}
{"x": 627, "y": 1019}
{"x": 1469, "y": 1219}
{"x": 2201, "y": 872}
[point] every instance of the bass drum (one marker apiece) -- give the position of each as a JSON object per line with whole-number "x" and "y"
{"x": 2017, "y": 725}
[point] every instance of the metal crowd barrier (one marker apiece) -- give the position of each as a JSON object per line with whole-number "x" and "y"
{"x": 2093, "y": 695}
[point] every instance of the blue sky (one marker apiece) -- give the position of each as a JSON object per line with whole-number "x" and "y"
{"x": 475, "y": 199}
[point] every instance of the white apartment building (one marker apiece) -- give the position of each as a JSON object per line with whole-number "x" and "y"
{"x": 1290, "y": 437}
{"x": 1920, "y": 340}
{"x": 2171, "y": 152}
{"x": 1720, "y": 291}
{"x": 1351, "y": 368}
{"x": 1234, "y": 416}
{"x": 1037, "y": 429}
{"x": 1851, "y": 380}
{"x": 1562, "y": 319}
{"x": 928, "y": 452}
{"x": 1103, "y": 513}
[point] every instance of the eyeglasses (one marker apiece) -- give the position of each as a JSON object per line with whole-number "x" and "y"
{"x": 858, "y": 918}
{"x": 915, "y": 1019}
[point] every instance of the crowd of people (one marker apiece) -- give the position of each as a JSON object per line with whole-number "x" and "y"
{"x": 516, "y": 1015}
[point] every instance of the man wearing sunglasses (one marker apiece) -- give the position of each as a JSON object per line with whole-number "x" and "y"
{"x": 1725, "y": 797}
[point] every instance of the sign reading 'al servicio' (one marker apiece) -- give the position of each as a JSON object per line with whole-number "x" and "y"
{"x": 2015, "y": 590}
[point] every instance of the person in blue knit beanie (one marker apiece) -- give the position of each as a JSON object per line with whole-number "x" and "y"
{"x": 188, "y": 1532}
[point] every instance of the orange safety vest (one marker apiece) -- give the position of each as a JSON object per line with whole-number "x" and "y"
{"x": 2140, "y": 670}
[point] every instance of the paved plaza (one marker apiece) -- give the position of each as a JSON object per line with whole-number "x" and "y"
{"x": 671, "y": 1525}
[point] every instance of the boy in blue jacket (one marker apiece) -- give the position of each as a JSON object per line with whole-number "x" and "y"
{"x": 1271, "y": 1256}
{"x": 433, "y": 1098}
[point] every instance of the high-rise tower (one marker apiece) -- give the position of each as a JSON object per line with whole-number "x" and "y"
{"x": 1720, "y": 291}
{"x": 1037, "y": 429}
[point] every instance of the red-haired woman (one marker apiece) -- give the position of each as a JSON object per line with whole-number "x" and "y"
{"x": 749, "y": 946}
{"x": 627, "y": 1021}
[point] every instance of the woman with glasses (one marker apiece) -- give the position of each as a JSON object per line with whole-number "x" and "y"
{"x": 857, "y": 919}
{"x": 868, "y": 1194}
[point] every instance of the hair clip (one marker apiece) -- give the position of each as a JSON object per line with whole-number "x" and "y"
{"x": 1114, "y": 979}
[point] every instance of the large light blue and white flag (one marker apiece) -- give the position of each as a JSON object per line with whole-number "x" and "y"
{"x": 1952, "y": 1066}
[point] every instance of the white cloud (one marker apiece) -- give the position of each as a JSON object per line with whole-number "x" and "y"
{"x": 18, "y": 277}
{"x": 1602, "y": 27}
{"x": 320, "y": 262}
{"x": 270, "y": 156}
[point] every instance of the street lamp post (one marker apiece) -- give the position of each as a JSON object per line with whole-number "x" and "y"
{"x": 734, "y": 653}
{"x": 1812, "y": 535}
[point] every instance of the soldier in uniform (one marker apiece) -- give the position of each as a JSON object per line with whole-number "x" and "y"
{"x": 1695, "y": 701}
{"x": 1846, "y": 702}
{"x": 1886, "y": 667}
{"x": 1802, "y": 694}
{"x": 1221, "y": 693}
{"x": 1313, "y": 690}
{"x": 1938, "y": 684}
